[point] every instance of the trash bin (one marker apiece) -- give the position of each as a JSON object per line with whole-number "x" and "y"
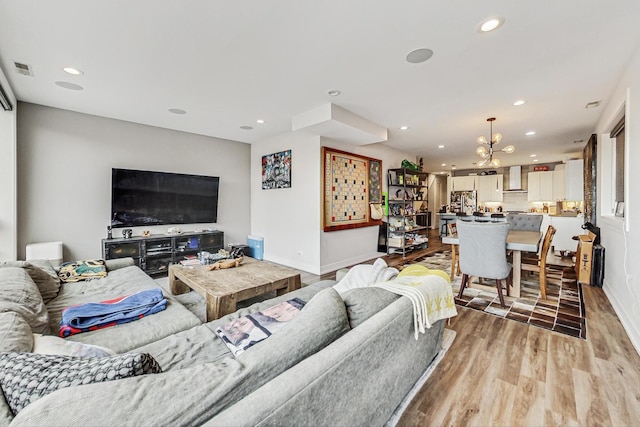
{"x": 256, "y": 247}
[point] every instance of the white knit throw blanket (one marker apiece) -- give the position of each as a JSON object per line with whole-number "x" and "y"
{"x": 430, "y": 295}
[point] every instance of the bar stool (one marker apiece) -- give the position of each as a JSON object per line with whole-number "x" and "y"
{"x": 496, "y": 217}
{"x": 479, "y": 217}
{"x": 462, "y": 216}
{"x": 444, "y": 229}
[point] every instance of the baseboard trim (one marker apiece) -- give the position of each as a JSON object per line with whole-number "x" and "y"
{"x": 628, "y": 324}
{"x": 328, "y": 268}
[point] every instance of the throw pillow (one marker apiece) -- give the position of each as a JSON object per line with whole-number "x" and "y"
{"x": 82, "y": 270}
{"x": 49, "y": 344}
{"x": 15, "y": 333}
{"x": 20, "y": 295}
{"x": 362, "y": 303}
{"x": 26, "y": 377}
{"x": 43, "y": 275}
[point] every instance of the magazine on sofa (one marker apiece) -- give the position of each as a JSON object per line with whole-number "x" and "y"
{"x": 242, "y": 333}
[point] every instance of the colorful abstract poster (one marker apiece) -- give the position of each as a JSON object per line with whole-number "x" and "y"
{"x": 276, "y": 170}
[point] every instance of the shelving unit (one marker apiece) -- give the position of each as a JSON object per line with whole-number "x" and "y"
{"x": 155, "y": 253}
{"x": 408, "y": 209}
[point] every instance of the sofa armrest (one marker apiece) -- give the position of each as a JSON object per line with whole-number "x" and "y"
{"x": 114, "y": 264}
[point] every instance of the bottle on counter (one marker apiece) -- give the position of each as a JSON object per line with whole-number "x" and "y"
{"x": 545, "y": 208}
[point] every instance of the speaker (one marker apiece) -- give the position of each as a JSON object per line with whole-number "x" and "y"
{"x": 597, "y": 269}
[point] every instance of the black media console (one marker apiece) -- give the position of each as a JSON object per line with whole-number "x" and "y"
{"x": 155, "y": 253}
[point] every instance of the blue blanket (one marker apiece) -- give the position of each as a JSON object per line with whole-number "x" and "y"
{"x": 98, "y": 315}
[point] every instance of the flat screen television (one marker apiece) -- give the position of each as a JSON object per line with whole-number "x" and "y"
{"x": 140, "y": 198}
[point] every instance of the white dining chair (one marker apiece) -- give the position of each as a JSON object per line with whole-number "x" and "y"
{"x": 483, "y": 253}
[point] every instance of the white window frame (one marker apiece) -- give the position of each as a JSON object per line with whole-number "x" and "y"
{"x": 608, "y": 166}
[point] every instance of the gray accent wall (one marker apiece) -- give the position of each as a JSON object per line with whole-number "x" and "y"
{"x": 64, "y": 175}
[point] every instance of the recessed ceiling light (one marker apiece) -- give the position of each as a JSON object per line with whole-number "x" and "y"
{"x": 333, "y": 92}
{"x": 177, "y": 111}
{"x": 533, "y": 155}
{"x": 491, "y": 24}
{"x": 453, "y": 167}
{"x": 404, "y": 127}
{"x": 73, "y": 71}
{"x": 519, "y": 102}
{"x": 260, "y": 121}
{"x": 419, "y": 55}
{"x": 531, "y": 132}
{"x": 68, "y": 85}
{"x": 442, "y": 172}
{"x": 444, "y": 164}
{"x": 440, "y": 146}
{"x": 246, "y": 127}
{"x": 592, "y": 104}
{"x": 535, "y": 160}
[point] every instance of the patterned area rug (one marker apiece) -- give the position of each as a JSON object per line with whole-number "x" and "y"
{"x": 563, "y": 311}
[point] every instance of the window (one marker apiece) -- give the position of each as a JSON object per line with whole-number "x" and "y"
{"x": 617, "y": 134}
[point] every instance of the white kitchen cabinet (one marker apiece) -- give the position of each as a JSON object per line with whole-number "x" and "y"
{"x": 566, "y": 228}
{"x": 574, "y": 180}
{"x": 464, "y": 183}
{"x": 540, "y": 187}
{"x": 490, "y": 188}
{"x": 558, "y": 185}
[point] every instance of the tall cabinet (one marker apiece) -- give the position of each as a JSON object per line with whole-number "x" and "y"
{"x": 408, "y": 209}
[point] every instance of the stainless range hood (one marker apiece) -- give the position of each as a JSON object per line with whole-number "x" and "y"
{"x": 515, "y": 180}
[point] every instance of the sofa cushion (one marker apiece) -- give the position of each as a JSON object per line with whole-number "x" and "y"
{"x": 321, "y": 321}
{"x": 201, "y": 391}
{"x": 26, "y": 377}
{"x": 15, "y": 333}
{"x": 125, "y": 337}
{"x": 362, "y": 303}
{"x": 201, "y": 344}
{"x": 82, "y": 270}
{"x": 20, "y": 295}
{"x": 49, "y": 344}
{"x": 43, "y": 275}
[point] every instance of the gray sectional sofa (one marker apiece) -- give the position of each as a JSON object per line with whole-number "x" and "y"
{"x": 344, "y": 360}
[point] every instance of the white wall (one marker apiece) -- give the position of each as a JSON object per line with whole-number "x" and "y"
{"x": 8, "y": 216}
{"x": 289, "y": 218}
{"x": 64, "y": 175}
{"x": 622, "y": 269}
{"x": 347, "y": 247}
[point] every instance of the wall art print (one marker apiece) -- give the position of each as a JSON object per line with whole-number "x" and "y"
{"x": 276, "y": 170}
{"x": 349, "y": 188}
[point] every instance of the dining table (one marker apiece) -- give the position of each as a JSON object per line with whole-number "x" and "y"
{"x": 518, "y": 241}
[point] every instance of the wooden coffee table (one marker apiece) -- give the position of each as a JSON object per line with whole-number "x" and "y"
{"x": 222, "y": 289}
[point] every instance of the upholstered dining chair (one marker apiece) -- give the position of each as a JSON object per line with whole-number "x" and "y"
{"x": 483, "y": 253}
{"x": 524, "y": 222}
{"x": 539, "y": 265}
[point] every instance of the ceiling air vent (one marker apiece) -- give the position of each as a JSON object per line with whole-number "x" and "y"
{"x": 23, "y": 68}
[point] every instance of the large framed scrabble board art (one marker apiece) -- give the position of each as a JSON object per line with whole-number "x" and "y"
{"x": 352, "y": 190}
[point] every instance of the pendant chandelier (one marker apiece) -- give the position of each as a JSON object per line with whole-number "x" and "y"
{"x": 487, "y": 154}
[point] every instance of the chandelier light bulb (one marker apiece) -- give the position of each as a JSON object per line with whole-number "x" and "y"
{"x": 509, "y": 149}
{"x": 482, "y": 151}
{"x": 482, "y": 163}
{"x": 495, "y": 163}
{"x": 481, "y": 140}
{"x": 496, "y": 138}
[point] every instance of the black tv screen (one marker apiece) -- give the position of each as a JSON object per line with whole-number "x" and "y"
{"x": 140, "y": 198}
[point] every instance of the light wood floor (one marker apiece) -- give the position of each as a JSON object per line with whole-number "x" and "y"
{"x": 501, "y": 372}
